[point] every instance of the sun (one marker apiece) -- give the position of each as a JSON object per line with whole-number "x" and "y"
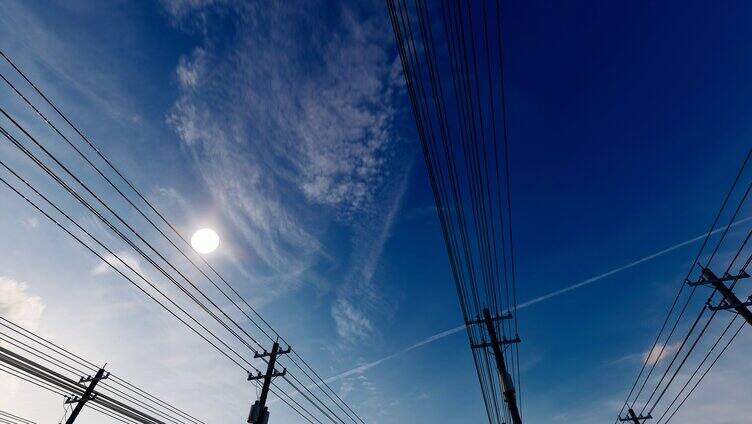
{"x": 205, "y": 240}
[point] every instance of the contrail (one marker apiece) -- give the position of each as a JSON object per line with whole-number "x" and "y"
{"x": 362, "y": 368}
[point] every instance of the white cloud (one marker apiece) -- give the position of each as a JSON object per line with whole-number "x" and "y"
{"x": 371, "y": 236}
{"x": 32, "y": 222}
{"x": 104, "y": 266}
{"x": 180, "y": 10}
{"x": 189, "y": 68}
{"x": 17, "y": 305}
{"x": 330, "y": 125}
{"x": 660, "y": 353}
{"x": 289, "y": 131}
{"x": 351, "y": 323}
{"x": 24, "y": 309}
{"x": 346, "y": 120}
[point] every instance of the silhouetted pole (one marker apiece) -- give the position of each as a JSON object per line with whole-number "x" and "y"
{"x": 88, "y": 394}
{"x": 510, "y": 395}
{"x": 259, "y": 412}
{"x": 634, "y": 418}
{"x": 730, "y": 301}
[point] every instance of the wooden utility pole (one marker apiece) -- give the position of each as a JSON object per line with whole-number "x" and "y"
{"x": 730, "y": 300}
{"x": 259, "y": 412}
{"x": 634, "y": 418}
{"x": 88, "y": 394}
{"x": 510, "y": 395}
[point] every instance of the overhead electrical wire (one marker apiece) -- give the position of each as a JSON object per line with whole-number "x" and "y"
{"x": 296, "y": 359}
{"x": 235, "y": 357}
{"x": 450, "y": 66}
{"x": 124, "y": 263}
{"x": 68, "y": 385}
{"x": 164, "y": 413}
{"x": 655, "y": 354}
{"x": 705, "y": 307}
{"x": 14, "y": 418}
{"x": 712, "y": 364}
{"x": 170, "y": 410}
{"x": 678, "y": 296}
{"x": 305, "y": 389}
{"x": 696, "y": 371}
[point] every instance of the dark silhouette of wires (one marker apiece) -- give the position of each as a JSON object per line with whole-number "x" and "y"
{"x": 219, "y": 344}
{"x": 6, "y": 417}
{"x": 53, "y": 354}
{"x": 225, "y": 320}
{"x": 453, "y": 69}
{"x": 683, "y": 350}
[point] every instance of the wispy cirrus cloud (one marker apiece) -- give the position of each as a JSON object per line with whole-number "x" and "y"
{"x": 659, "y": 353}
{"x": 105, "y": 267}
{"x": 292, "y": 132}
{"x": 352, "y": 321}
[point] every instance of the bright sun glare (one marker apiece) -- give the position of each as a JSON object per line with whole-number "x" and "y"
{"x": 205, "y": 240}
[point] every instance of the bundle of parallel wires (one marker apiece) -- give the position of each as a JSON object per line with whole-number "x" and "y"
{"x": 453, "y": 62}
{"x": 50, "y": 164}
{"x": 695, "y": 334}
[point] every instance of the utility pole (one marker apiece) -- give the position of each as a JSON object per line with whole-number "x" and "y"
{"x": 259, "y": 412}
{"x": 730, "y": 300}
{"x": 510, "y": 395}
{"x": 634, "y": 418}
{"x": 88, "y": 394}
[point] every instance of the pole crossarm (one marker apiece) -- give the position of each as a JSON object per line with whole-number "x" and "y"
{"x": 259, "y": 412}
{"x": 484, "y": 344}
{"x": 89, "y": 378}
{"x": 260, "y": 376}
{"x": 508, "y": 390}
{"x": 75, "y": 399}
{"x": 723, "y": 306}
{"x": 634, "y": 418}
{"x": 88, "y": 394}
{"x": 730, "y": 300}
{"x": 709, "y": 278}
{"x": 269, "y": 354}
{"x": 36, "y": 370}
{"x": 479, "y": 320}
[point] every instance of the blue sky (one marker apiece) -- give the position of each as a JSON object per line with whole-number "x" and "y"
{"x": 286, "y": 127}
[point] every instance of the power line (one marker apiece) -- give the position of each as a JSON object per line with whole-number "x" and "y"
{"x": 33, "y": 345}
{"x": 77, "y": 371}
{"x": 68, "y": 385}
{"x": 115, "y": 380}
{"x": 14, "y": 418}
{"x": 298, "y": 408}
{"x": 456, "y": 123}
{"x": 706, "y": 371}
{"x": 297, "y": 360}
{"x": 667, "y": 378}
{"x": 140, "y": 251}
{"x": 699, "y": 366}
{"x": 286, "y": 399}
{"x": 705, "y": 307}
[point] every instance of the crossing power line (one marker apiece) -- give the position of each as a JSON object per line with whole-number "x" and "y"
{"x": 452, "y": 56}
{"x": 39, "y": 361}
{"x": 313, "y": 390}
{"x": 671, "y": 354}
{"x": 8, "y": 418}
{"x": 49, "y": 352}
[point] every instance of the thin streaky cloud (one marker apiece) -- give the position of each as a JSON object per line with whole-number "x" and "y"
{"x": 446, "y": 333}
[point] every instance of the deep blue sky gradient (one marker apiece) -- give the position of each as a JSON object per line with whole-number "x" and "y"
{"x": 627, "y": 122}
